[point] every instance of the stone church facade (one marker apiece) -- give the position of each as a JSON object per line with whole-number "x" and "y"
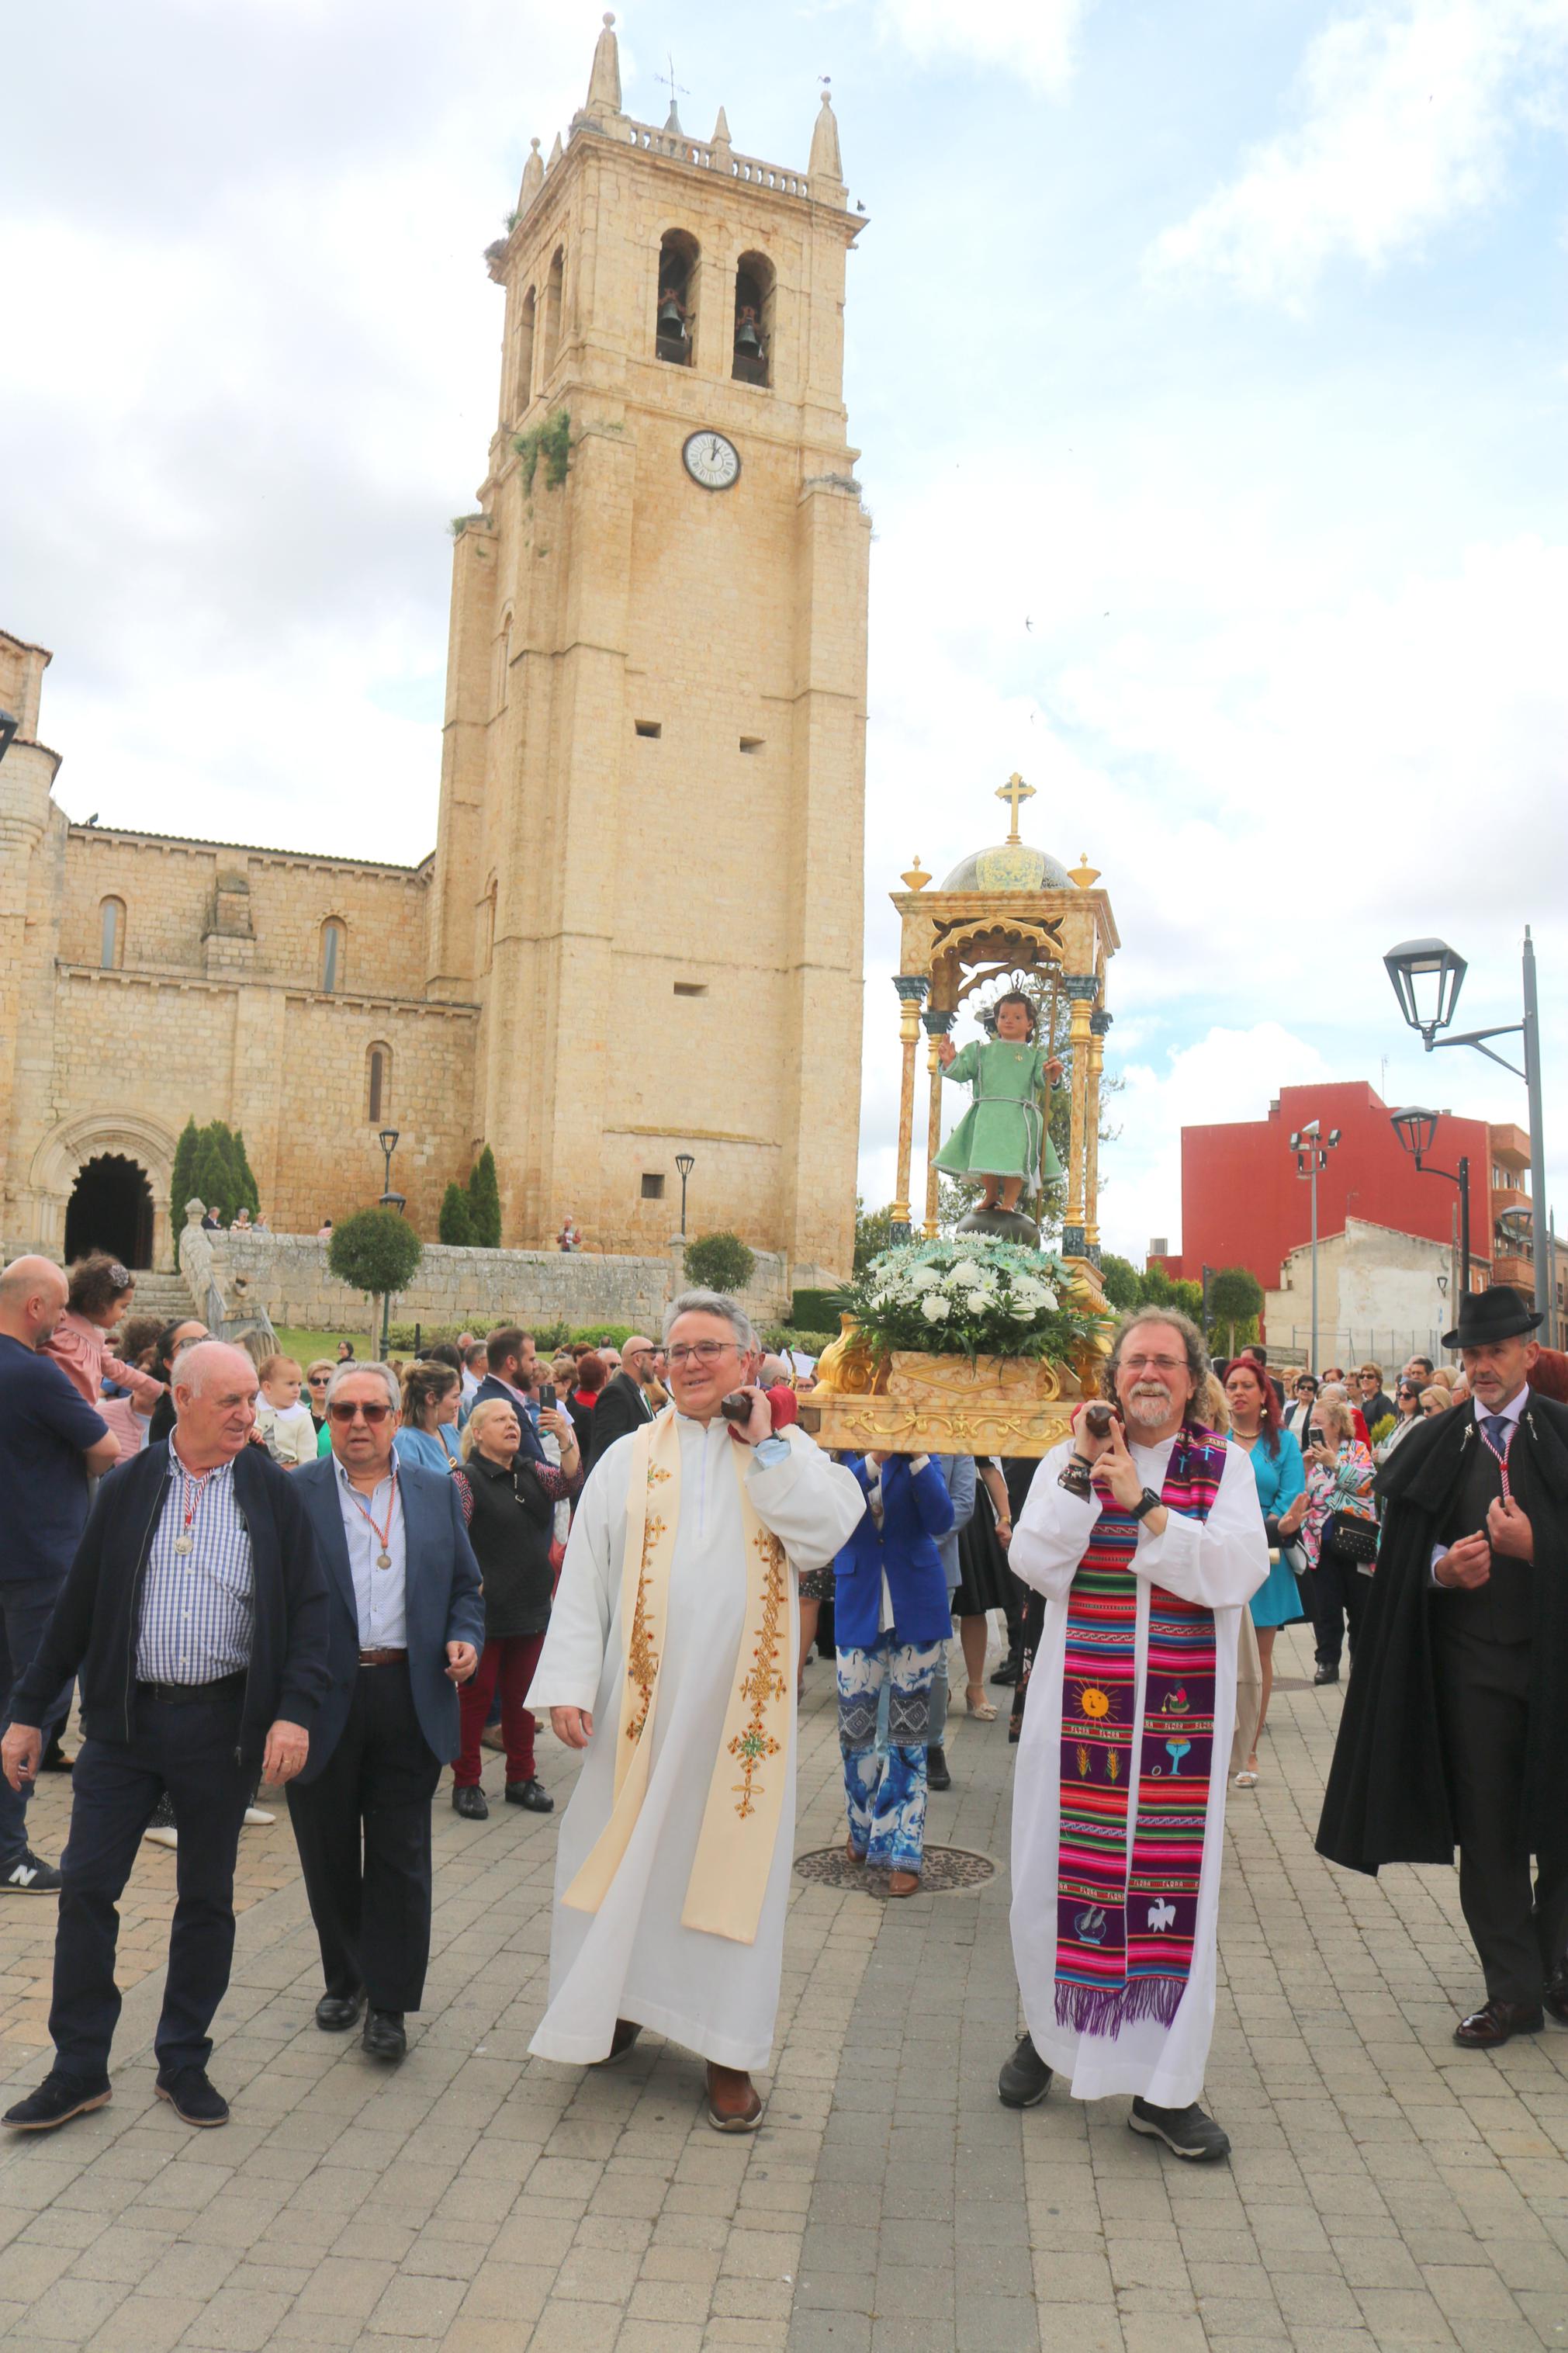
{"x": 639, "y": 931}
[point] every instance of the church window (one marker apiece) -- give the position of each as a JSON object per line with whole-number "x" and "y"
{"x": 523, "y": 381}
{"x": 751, "y": 742}
{"x": 653, "y": 1188}
{"x": 487, "y": 926}
{"x": 334, "y": 939}
{"x": 675, "y": 318}
{"x": 379, "y": 1064}
{"x": 111, "y": 935}
{"x": 652, "y": 728}
{"x": 552, "y": 293}
{"x": 753, "y": 326}
{"x": 691, "y": 989}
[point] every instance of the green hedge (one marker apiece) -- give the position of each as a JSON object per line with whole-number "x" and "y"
{"x": 777, "y": 1337}
{"x": 815, "y": 1311}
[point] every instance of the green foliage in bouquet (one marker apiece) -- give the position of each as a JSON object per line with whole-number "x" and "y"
{"x": 971, "y": 1296}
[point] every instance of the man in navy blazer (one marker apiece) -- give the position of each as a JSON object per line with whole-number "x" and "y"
{"x": 890, "y": 1620}
{"x": 407, "y": 1623}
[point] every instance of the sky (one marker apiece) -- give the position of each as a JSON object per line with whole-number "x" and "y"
{"x": 1207, "y": 361}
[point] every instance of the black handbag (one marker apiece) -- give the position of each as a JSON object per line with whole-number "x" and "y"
{"x": 1349, "y": 1534}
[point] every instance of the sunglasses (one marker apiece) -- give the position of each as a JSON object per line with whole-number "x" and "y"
{"x": 320, "y": 1381}
{"x": 341, "y": 1411}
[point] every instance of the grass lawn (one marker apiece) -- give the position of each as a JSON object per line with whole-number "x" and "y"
{"x": 306, "y": 1346}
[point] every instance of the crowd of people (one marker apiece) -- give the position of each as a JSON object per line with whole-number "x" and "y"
{"x": 340, "y": 1579}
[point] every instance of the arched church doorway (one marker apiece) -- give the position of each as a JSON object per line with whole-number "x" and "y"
{"x": 111, "y": 1208}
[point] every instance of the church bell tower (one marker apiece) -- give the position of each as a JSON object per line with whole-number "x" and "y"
{"x": 648, "y": 869}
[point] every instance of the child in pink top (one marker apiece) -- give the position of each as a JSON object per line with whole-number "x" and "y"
{"x": 100, "y": 1294}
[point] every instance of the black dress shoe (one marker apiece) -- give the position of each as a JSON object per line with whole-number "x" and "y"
{"x": 58, "y": 2098}
{"x": 531, "y": 1794}
{"x": 1495, "y": 2023}
{"x": 336, "y": 2013}
{"x": 1190, "y": 2131}
{"x": 54, "y": 1758}
{"x": 192, "y": 2097}
{"x": 472, "y": 1804}
{"x": 383, "y": 2035}
{"x": 1008, "y": 1672}
{"x": 1024, "y": 2078}
{"x": 1557, "y": 1993}
{"x": 1327, "y": 1675}
{"x": 937, "y": 1775}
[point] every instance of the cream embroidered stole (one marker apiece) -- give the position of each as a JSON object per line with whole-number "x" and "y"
{"x": 745, "y": 1797}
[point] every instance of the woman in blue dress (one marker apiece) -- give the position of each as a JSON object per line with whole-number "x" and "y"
{"x": 1281, "y": 1479}
{"x": 431, "y": 1394}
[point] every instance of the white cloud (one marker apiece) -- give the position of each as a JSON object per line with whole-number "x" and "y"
{"x": 1035, "y": 38}
{"x": 1407, "y": 110}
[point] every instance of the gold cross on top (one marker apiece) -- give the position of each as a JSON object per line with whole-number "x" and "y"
{"x": 1014, "y": 791}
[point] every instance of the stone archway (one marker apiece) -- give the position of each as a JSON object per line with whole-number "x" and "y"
{"x": 111, "y": 1208}
{"x": 66, "y": 1155}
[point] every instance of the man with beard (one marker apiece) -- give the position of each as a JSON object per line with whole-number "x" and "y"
{"x": 1147, "y": 1543}
{"x": 1456, "y": 1723}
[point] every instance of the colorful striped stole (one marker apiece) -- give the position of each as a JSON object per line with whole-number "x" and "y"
{"x": 1124, "y": 1932}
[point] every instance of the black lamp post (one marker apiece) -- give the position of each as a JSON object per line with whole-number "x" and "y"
{"x": 686, "y": 1162}
{"x": 1416, "y": 1127}
{"x": 1312, "y": 1148}
{"x": 1427, "y": 975}
{"x": 387, "y": 1140}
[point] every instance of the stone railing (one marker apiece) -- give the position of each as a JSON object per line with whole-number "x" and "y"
{"x": 721, "y": 158}
{"x": 244, "y": 1318}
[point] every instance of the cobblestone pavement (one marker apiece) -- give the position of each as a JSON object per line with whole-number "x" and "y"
{"x": 1387, "y": 2189}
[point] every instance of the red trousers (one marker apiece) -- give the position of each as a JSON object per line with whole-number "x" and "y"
{"x": 509, "y": 1661}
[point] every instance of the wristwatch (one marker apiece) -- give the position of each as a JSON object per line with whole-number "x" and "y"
{"x": 1147, "y": 1502}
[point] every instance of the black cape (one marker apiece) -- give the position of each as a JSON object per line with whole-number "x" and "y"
{"x": 1387, "y": 1797}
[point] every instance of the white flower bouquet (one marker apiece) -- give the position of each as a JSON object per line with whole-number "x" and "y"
{"x": 972, "y": 1296}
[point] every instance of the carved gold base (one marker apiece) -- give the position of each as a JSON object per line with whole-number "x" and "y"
{"x": 947, "y": 1405}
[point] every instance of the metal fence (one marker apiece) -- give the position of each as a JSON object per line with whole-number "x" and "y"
{"x": 1353, "y": 1344}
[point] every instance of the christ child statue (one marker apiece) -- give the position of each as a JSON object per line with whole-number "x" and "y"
{"x": 1005, "y": 1136}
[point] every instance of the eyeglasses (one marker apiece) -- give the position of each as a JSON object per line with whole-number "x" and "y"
{"x": 340, "y": 1411}
{"x": 320, "y": 1381}
{"x": 1153, "y": 1364}
{"x": 701, "y": 1352}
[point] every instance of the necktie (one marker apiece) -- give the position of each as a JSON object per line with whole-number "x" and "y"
{"x": 1495, "y": 1426}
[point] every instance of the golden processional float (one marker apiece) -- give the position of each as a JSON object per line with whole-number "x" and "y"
{"x": 1010, "y": 914}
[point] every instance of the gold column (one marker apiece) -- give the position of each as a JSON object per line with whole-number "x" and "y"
{"x": 1081, "y": 989}
{"x": 1099, "y": 1023}
{"x": 911, "y": 989}
{"x": 937, "y": 1026}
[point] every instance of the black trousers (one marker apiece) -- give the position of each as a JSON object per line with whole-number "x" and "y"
{"x": 1520, "y": 1928}
{"x": 1338, "y": 1593}
{"x": 362, "y": 1827}
{"x": 190, "y": 1748}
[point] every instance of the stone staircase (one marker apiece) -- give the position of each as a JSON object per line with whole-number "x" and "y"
{"x": 163, "y": 1296}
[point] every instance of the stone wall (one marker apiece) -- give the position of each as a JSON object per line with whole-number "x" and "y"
{"x": 286, "y": 1274}
{"x": 1377, "y": 1298}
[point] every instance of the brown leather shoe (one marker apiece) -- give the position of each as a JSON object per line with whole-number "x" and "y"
{"x": 1495, "y": 2023}
{"x": 734, "y": 2103}
{"x": 904, "y": 1883}
{"x": 621, "y": 2042}
{"x": 852, "y": 1850}
{"x": 1557, "y": 1993}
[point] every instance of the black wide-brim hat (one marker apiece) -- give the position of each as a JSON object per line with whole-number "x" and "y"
{"x": 1496, "y": 1314}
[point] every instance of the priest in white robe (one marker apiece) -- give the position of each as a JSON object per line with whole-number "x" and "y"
{"x": 670, "y": 1659}
{"x": 1119, "y": 1806}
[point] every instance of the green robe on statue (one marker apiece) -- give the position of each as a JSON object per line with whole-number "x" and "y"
{"x": 1002, "y": 1133}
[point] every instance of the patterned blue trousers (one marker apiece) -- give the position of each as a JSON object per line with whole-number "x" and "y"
{"x": 885, "y": 1790}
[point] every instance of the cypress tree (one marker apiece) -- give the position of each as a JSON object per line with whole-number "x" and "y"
{"x": 212, "y": 1179}
{"x": 249, "y": 1191}
{"x": 182, "y": 1183}
{"x": 484, "y": 1200}
{"x": 456, "y": 1223}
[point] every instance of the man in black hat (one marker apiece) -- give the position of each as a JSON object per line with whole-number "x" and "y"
{"x": 1456, "y": 1723}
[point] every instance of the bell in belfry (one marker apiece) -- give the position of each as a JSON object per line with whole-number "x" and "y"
{"x": 748, "y": 342}
{"x": 671, "y": 317}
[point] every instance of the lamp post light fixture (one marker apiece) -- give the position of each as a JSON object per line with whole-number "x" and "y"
{"x": 387, "y": 1140}
{"x": 1426, "y": 977}
{"x": 1312, "y": 1148}
{"x": 686, "y": 1162}
{"x": 1416, "y": 1127}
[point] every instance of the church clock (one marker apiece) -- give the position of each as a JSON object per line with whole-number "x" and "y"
{"x": 711, "y": 460}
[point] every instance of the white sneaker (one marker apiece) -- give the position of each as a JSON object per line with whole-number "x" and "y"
{"x": 257, "y": 1818}
{"x": 161, "y": 1837}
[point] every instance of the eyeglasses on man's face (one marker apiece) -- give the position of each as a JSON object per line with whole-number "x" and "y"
{"x": 700, "y": 1352}
{"x": 1153, "y": 1364}
{"x": 342, "y": 1411}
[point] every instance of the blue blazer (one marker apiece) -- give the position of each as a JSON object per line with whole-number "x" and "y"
{"x": 916, "y": 1511}
{"x": 443, "y": 1600}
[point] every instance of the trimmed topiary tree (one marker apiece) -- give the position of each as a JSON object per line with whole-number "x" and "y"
{"x": 375, "y": 1251}
{"x": 456, "y": 1227}
{"x": 484, "y": 1201}
{"x": 719, "y": 1262}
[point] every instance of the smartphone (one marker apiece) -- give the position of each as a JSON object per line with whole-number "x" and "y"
{"x": 547, "y": 1396}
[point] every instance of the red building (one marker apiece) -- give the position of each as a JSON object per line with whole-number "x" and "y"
{"x": 1244, "y": 1205}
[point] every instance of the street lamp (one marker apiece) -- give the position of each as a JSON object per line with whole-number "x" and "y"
{"x": 686, "y": 1162}
{"x": 1416, "y": 1127}
{"x": 387, "y": 1140}
{"x": 1312, "y": 1148}
{"x": 1427, "y": 976}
